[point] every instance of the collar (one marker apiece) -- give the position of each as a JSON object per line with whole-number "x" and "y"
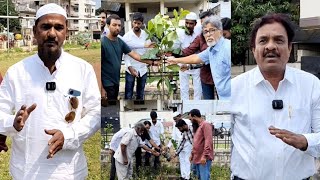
{"x": 135, "y": 132}
{"x": 134, "y": 34}
{"x": 57, "y": 63}
{"x": 258, "y": 77}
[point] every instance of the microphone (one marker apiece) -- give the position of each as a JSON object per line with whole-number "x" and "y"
{"x": 50, "y": 86}
{"x": 277, "y": 104}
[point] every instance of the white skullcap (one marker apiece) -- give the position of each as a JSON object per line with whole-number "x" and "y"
{"x": 191, "y": 16}
{"x": 175, "y": 114}
{"x": 50, "y": 8}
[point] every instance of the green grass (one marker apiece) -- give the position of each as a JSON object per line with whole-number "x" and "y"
{"x": 6, "y": 60}
{"x": 168, "y": 169}
{"x": 91, "y": 146}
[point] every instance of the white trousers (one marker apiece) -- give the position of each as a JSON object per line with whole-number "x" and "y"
{"x": 184, "y": 84}
{"x": 124, "y": 172}
{"x": 185, "y": 164}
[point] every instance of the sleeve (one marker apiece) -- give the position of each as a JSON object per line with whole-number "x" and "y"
{"x": 147, "y": 136}
{"x": 131, "y": 43}
{"x": 227, "y": 58}
{"x": 313, "y": 138}
{"x": 204, "y": 56}
{"x": 193, "y": 48}
{"x": 208, "y": 142}
{"x": 7, "y": 106}
{"x": 125, "y": 48}
{"x": 127, "y": 138}
{"x": 127, "y": 61}
{"x": 90, "y": 122}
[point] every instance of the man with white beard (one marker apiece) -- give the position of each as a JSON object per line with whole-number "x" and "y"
{"x": 218, "y": 55}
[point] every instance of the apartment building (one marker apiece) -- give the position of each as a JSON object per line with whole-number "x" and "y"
{"x": 79, "y": 12}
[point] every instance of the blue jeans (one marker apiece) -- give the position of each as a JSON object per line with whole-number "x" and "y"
{"x": 141, "y": 82}
{"x": 207, "y": 91}
{"x": 203, "y": 171}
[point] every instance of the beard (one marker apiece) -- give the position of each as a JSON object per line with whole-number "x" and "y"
{"x": 195, "y": 126}
{"x": 136, "y": 29}
{"x": 211, "y": 44}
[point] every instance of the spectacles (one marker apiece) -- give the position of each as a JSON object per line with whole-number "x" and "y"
{"x": 74, "y": 102}
{"x": 211, "y": 31}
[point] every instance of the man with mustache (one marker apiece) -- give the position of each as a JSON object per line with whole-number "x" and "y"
{"x": 112, "y": 49}
{"x": 275, "y": 109}
{"x": 49, "y": 105}
{"x": 218, "y": 55}
{"x": 136, "y": 39}
{"x": 202, "y": 149}
{"x": 103, "y": 22}
{"x": 185, "y": 38}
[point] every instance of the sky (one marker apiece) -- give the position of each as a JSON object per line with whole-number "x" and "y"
{"x": 98, "y": 3}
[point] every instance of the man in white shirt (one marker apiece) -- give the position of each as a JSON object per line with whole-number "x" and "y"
{"x": 183, "y": 149}
{"x": 49, "y": 105}
{"x": 156, "y": 130}
{"x": 123, "y": 156}
{"x": 115, "y": 142}
{"x": 184, "y": 40}
{"x": 275, "y": 109}
{"x": 136, "y": 39}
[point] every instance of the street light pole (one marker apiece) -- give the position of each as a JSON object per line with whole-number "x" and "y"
{"x": 8, "y": 38}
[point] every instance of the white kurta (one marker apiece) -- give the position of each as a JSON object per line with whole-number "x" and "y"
{"x": 184, "y": 40}
{"x": 24, "y": 83}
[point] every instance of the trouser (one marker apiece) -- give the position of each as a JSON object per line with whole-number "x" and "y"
{"x": 207, "y": 90}
{"x": 138, "y": 153}
{"x": 185, "y": 164}
{"x": 156, "y": 160}
{"x": 184, "y": 84}
{"x": 124, "y": 172}
{"x": 203, "y": 171}
{"x": 113, "y": 168}
{"x": 141, "y": 82}
{"x": 112, "y": 92}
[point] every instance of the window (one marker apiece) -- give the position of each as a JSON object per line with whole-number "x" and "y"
{"x": 75, "y": 21}
{"x": 142, "y": 10}
{"x": 170, "y": 9}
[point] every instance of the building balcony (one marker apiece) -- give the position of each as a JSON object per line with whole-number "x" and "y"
{"x": 74, "y": 3}
{"x": 73, "y": 28}
{"x": 74, "y": 13}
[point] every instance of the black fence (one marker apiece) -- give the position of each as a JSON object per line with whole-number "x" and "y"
{"x": 222, "y": 137}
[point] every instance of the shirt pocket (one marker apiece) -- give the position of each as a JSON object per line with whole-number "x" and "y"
{"x": 300, "y": 120}
{"x": 221, "y": 68}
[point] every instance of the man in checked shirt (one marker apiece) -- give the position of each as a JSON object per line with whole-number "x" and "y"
{"x": 184, "y": 148}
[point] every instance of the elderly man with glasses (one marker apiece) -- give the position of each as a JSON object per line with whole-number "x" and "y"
{"x": 218, "y": 55}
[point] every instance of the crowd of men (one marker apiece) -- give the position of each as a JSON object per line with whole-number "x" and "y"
{"x": 194, "y": 146}
{"x": 211, "y": 73}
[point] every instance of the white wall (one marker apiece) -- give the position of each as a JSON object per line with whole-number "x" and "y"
{"x": 309, "y": 8}
{"x": 133, "y": 117}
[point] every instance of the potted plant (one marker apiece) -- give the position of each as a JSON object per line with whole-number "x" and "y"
{"x": 162, "y": 30}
